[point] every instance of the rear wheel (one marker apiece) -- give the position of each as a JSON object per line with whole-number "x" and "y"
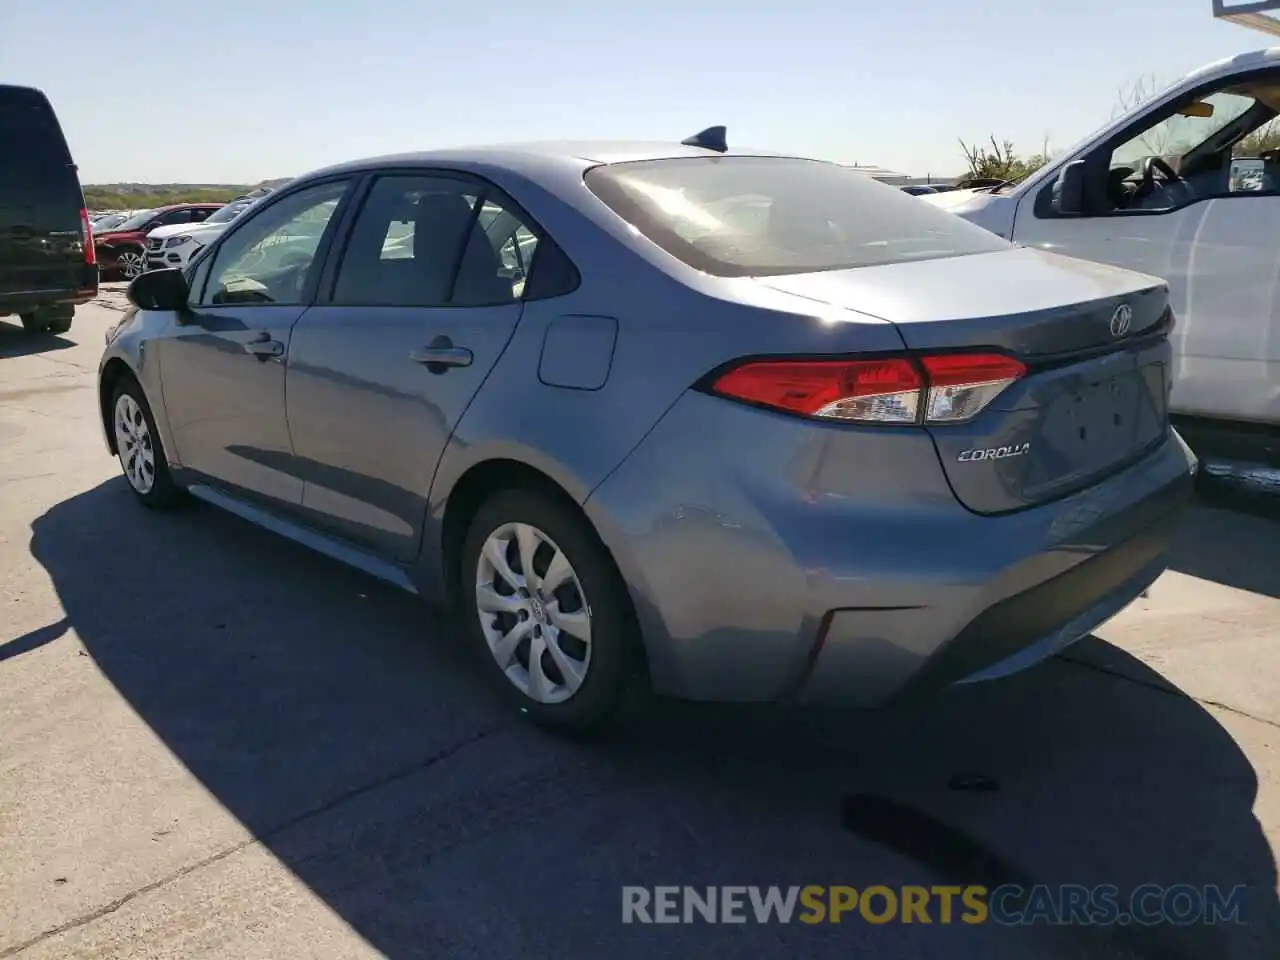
{"x": 549, "y": 612}
{"x": 55, "y": 320}
{"x": 130, "y": 263}
{"x": 139, "y": 448}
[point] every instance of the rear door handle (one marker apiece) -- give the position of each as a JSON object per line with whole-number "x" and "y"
{"x": 445, "y": 356}
{"x": 441, "y": 354}
{"x": 264, "y": 347}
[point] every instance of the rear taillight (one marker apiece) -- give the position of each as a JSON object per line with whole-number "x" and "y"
{"x": 961, "y": 385}
{"x": 86, "y": 239}
{"x": 941, "y": 388}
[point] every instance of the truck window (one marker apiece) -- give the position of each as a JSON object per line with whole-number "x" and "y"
{"x": 1175, "y": 160}
{"x": 1177, "y": 135}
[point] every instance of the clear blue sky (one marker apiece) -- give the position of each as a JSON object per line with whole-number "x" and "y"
{"x": 239, "y": 91}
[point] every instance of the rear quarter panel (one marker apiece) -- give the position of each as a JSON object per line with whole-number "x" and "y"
{"x": 674, "y": 325}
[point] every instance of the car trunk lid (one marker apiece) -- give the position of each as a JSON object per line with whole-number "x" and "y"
{"x": 1093, "y": 340}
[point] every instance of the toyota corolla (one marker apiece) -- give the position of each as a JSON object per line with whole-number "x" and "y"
{"x": 667, "y": 417}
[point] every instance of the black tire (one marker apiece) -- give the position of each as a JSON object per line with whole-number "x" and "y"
{"x": 141, "y": 253}
{"x": 615, "y": 681}
{"x": 46, "y": 321}
{"x": 164, "y": 493}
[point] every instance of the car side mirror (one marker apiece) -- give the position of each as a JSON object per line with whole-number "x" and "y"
{"x": 1068, "y": 190}
{"x": 159, "y": 290}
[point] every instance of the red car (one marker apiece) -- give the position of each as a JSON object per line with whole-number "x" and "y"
{"x": 121, "y": 250}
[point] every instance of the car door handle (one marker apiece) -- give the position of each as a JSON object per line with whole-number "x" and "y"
{"x": 439, "y": 357}
{"x": 264, "y": 347}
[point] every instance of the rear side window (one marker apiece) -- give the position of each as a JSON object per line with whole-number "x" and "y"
{"x": 427, "y": 241}
{"x": 766, "y": 216}
{"x": 30, "y": 135}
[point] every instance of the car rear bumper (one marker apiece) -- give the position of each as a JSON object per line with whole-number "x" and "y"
{"x": 844, "y": 571}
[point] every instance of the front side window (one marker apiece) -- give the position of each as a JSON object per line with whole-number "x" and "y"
{"x": 1179, "y": 134}
{"x": 421, "y": 241}
{"x": 269, "y": 258}
{"x": 1170, "y": 162}
{"x": 765, "y": 216}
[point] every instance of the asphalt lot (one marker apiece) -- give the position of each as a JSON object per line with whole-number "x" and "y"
{"x": 215, "y": 744}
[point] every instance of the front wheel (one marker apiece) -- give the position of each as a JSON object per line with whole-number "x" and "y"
{"x": 548, "y": 610}
{"x": 139, "y": 448}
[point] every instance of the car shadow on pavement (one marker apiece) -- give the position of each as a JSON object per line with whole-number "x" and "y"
{"x": 1231, "y": 538}
{"x": 16, "y": 342}
{"x": 347, "y": 728}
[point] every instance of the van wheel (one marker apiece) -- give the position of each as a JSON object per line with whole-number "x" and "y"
{"x": 45, "y": 321}
{"x": 548, "y": 611}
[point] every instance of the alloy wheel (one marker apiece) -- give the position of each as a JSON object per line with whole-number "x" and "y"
{"x": 533, "y": 613}
{"x": 130, "y": 264}
{"x": 134, "y": 445}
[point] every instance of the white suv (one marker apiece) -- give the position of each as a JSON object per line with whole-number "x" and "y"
{"x": 174, "y": 246}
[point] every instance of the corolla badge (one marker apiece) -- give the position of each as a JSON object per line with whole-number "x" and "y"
{"x": 1121, "y": 320}
{"x": 994, "y": 453}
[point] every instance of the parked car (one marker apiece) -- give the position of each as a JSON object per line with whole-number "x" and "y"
{"x": 121, "y": 249}
{"x": 105, "y": 221}
{"x": 917, "y": 189}
{"x": 851, "y": 450}
{"x": 47, "y": 263}
{"x": 174, "y": 245}
{"x": 1152, "y": 190}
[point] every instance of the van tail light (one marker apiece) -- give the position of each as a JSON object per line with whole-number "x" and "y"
{"x": 938, "y": 388}
{"x": 86, "y": 239}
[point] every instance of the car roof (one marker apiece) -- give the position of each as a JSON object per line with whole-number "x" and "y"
{"x": 182, "y": 206}
{"x": 532, "y": 156}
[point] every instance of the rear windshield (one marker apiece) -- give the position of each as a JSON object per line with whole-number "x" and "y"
{"x": 31, "y": 139}
{"x": 765, "y": 216}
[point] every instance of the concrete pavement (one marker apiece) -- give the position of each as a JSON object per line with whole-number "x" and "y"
{"x": 215, "y": 744}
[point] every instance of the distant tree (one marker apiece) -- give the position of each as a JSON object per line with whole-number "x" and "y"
{"x": 1135, "y": 93}
{"x": 999, "y": 160}
{"x": 1266, "y": 137}
{"x": 104, "y": 198}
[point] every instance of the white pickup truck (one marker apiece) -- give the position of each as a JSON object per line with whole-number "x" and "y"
{"x": 1154, "y": 191}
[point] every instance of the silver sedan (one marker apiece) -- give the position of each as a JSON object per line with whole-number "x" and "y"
{"x": 668, "y": 417}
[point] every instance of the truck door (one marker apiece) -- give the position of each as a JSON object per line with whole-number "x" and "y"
{"x": 1159, "y": 199}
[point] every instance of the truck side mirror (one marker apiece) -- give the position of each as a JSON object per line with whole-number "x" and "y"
{"x": 1068, "y": 190}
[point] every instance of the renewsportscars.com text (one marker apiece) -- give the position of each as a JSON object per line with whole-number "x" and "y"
{"x": 1009, "y": 905}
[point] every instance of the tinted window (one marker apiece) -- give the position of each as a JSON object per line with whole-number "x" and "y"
{"x": 431, "y": 241}
{"x": 744, "y": 216}
{"x": 30, "y": 133}
{"x": 268, "y": 258}
{"x": 175, "y": 217}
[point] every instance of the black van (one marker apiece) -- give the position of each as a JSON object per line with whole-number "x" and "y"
{"x": 47, "y": 261}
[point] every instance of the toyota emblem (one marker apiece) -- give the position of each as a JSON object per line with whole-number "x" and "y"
{"x": 1121, "y": 319}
